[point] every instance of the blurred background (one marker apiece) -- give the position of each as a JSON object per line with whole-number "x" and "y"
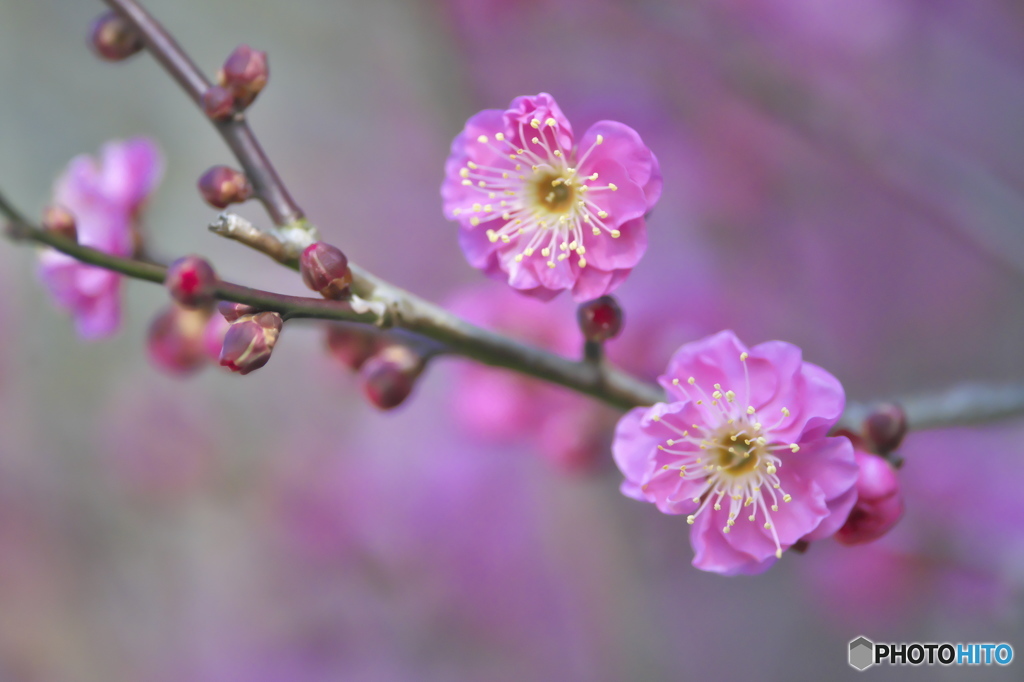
{"x": 844, "y": 175}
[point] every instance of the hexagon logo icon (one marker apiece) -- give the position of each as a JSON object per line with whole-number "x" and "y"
{"x": 862, "y": 653}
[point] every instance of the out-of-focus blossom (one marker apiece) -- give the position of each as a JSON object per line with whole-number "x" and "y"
{"x": 741, "y": 449}
{"x": 105, "y": 197}
{"x": 495, "y": 406}
{"x": 544, "y": 214}
{"x": 879, "y": 501}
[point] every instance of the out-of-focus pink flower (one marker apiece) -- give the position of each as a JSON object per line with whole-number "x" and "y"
{"x": 879, "y": 501}
{"x": 544, "y": 214}
{"x": 105, "y": 197}
{"x": 494, "y": 406}
{"x": 741, "y": 449}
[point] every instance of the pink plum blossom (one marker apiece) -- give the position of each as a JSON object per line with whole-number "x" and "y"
{"x": 741, "y": 449}
{"x": 545, "y": 214}
{"x": 105, "y": 197}
{"x": 493, "y": 406}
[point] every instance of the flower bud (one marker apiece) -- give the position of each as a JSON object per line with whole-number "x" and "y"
{"x": 352, "y": 345}
{"x": 600, "y": 319}
{"x": 389, "y": 376}
{"x": 59, "y": 220}
{"x": 222, "y": 186}
{"x": 218, "y": 102}
{"x": 885, "y": 427}
{"x": 249, "y": 341}
{"x": 191, "y": 282}
{"x": 232, "y": 311}
{"x": 879, "y": 501}
{"x": 113, "y": 38}
{"x": 174, "y": 342}
{"x": 324, "y": 269}
{"x": 244, "y": 73}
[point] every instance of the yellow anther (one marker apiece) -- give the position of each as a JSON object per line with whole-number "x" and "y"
{"x": 464, "y": 172}
{"x": 472, "y": 165}
{"x": 474, "y": 221}
{"x": 613, "y": 187}
{"x": 743, "y": 357}
{"x": 616, "y": 234}
{"x": 551, "y": 263}
{"x": 775, "y": 507}
{"x": 505, "y": 239}
{"x": 596, "y": 231}
{"x": 778, "y": 554}
{"x": 467, "y": 182}
{"x": 785, "y": 411}
{"x": 602, "y": 214}
{"x": 557, "y": 152}
{"x": 519, "y": 258}
{"x": 600, "y": 139}
{"x": 582, "y": 262}
{"x": 767, "y": 526}
{"x": 690, "y": 519}
{"x": 787, "y": 497}
{"x": 527, "y": 252}
{"x": 545, "y": 252}
{"x": 730, "y": 396}
{"x": 482, "y": 138}
{"x": 500, "y": 137}
{"x": 691, "y": 381}
{"x": 794, "y": 447}
{"x": 535, "y": 124}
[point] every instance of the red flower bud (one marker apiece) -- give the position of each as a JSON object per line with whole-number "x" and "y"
{"x": 352, "y": 345}
{"x": 249, "y": 342}
{"x": 885, "y": 427}
{"x": 244, "y": 73}
{"x": 174, "y": 342}
{"x": 222, "y": 186}
{"x": 324, "y": 269}
{"x": 600, "y": 319}
{"x": 389, "y": 376}
{"x": 191, "y": 282}
{"x": 113, "y": 38}
{"x": 232, "y": 311}
{"x": 879, "y": 502}
{"x": 218, "y": 102}
{"x": 59, "y": 220}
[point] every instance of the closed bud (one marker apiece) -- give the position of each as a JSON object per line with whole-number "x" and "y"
{"x": 879, "y": 501}
{"x": 59, "y": 220}
{"x": 324, "y": 269}
{"x": 222, "y": 186}
{"x": 885, "y": 427}
{"x": 244, "y": 73}
{"x": 600, "y": 319}
{"x": 191, "y": 282}
{"x": 232, "y": 311}
{"x": 218, "y": 102}
{"x": 174, "y": 342}
{"x": 249, "y": 342}
{"x": 389, "y": 376}
{"x": 113, "y": 38}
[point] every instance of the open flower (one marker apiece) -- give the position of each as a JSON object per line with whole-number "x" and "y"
{"x": 741, "y": 449}
{"x": 104, "y": 197}
{"x": 544, "y": 214}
